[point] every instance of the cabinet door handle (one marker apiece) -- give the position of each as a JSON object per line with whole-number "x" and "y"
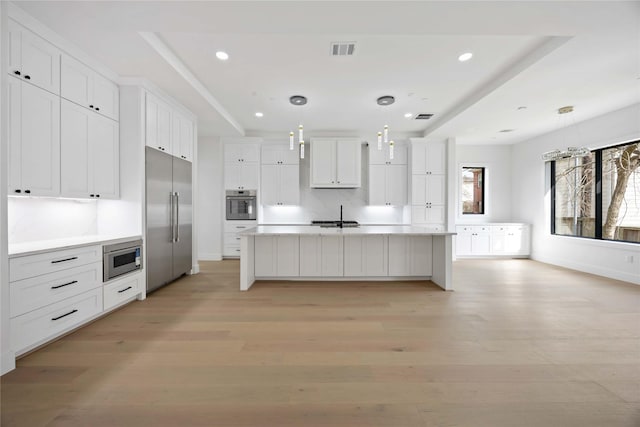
{"x": 124, "y": 290}
{"x": 90, "y": 106}
{"x": 64, "y": 260}
{"x": 64, "y": 284}
{"x": 28, "y": 77}
{"x": 92, "y": 195}
{"x": 65, "y": 315}
{"x": 97, "y": 195}
{"x": 16, "y": 72}
{"x": 27, "y": 191}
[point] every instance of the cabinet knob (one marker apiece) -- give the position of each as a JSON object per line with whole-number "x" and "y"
{"x": 97, "y": 108}
{"x": 18, "y": 191}
{"x": 16, "y": 72}
{"x": 27, "y": 191}
{"x": 97, "y": 195}
{"x": 28, "y": 77}
{"x": 92, "y": 195}
{"x": 90, "y": 106}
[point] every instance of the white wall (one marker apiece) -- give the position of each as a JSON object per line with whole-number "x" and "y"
{"x": 496, "y": 159}
{"x": 531, "y": 198}
{"x": 209, "y": 209}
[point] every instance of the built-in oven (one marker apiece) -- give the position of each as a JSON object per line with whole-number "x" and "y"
{"x": 241, "y": 204}
{"x": 121, "y": 258}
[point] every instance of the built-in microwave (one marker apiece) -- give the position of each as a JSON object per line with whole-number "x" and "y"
{"x": 241, "y": 204}
{"x": 121, "y": 258}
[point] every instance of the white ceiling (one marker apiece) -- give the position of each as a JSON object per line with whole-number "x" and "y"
{"x": 540, "y": 55}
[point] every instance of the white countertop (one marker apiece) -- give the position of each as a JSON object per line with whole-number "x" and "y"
{"x": 408, "y": 230}
{"x": 31, "y": 248}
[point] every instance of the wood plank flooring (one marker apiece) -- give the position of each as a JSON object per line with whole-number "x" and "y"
{"x": 518, "y": 343}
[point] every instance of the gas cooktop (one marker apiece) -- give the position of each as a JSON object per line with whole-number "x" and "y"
{"x": 335, "y": 223}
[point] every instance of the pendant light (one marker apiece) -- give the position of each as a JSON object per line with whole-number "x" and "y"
{"x": 298, "y": 100}
{"x": 384, "y": 135}
{"x": 570, "y": 152}
{"x": 384, "y": 101}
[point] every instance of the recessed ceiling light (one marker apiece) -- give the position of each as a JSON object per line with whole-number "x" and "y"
{"x": 408, "y": 115}
{"x": 222, "y": 56}
{"x": 465, "y": 57}
{"x": 259, "y": 114}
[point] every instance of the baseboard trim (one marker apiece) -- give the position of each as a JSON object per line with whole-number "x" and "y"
{"x": 195, "y": 269}
{"x": 589, "y": 268}
{"x": 209, "y": 257}
{"x": 7, "y": 362}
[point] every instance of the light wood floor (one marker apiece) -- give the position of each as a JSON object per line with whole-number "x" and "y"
{"x": 517, "y": 344}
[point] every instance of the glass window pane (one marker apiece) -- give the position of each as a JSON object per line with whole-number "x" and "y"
{"x": 472, "y": 190}
{"x": 575, "y": 195}
{"x": 621, "y": 193}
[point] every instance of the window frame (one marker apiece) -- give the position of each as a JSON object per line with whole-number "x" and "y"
{"x": 486, "y": 198}
{"x": 599, "y": 214}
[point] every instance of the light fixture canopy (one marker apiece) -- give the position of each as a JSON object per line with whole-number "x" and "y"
{"x": 386, "y": 100}
{"x": 298, "y": 100}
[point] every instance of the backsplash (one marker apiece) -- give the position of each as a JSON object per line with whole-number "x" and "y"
{"x": 324, "y": 203}
{"x": 31, "y": 219}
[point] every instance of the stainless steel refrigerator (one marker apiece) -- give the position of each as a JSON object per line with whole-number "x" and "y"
{"x": 169, "y": 218}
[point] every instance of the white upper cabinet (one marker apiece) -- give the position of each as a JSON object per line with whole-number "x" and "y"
{"x": 335, "y": 163}
{"x": 428, "y": 190}
{"x": 241, "y": 153}
{"x": 280, "y": 176}
{"x": 85, "y": 87}
{"x": 33, "y": 59}
{"x": 34, "y": 140}
{"x": 388, "y": 180}
{"x": 182, "y": 142}
{"x": 381, "y": 157}
{"x": 279, "y": 154}
{"x": 428, "y": 158}
{"x": 158, "y": 124}
{"x": 89, "y": 154}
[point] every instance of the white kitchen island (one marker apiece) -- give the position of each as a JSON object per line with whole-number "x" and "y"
{"x": 369, "y": 252}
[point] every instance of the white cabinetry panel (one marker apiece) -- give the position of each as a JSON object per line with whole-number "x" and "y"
{"x": 280, "y": 176}
{"x": 158, "y": 124}
{"x": 121, "y": 290}
{"x": 493, "y": 240}
{"x": 33, "y": 59}
{"x": 335, "y": 163}
{"x": 365, "y": 255}
{"x": 410, "y": 256}
{"x": 34, "y": 140}
{"x": 278, "y": 256}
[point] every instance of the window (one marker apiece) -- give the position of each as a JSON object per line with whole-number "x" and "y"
{"x": 472, "y": 190}
{"x": 598, "y": 195}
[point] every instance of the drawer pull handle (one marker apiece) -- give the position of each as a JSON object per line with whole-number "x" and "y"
{"x": 64, "y": 260}
{"x": 64, "y": 315}
{"x": 64, "y": 284}
{"x": 123, "y": 290}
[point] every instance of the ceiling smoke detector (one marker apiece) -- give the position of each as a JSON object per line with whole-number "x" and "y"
{"x": 424, "y": 116}
{"x": 342, "y": 48}
{"x": 386, "y": 100}
{"x": 298, "y": 100}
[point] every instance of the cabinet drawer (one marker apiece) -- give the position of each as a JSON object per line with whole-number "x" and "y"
{"x": 121, "y": 290}
{"x": 49, "y": 262}
{"x": 230, "y": 250}
{"x": 47, "y": 322}
{"x": 231, "y": 239}
{"x": 230, "y": 227}
{"x": 29, "y": 294}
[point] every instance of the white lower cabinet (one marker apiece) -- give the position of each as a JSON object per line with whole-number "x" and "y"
{"x": 231, "y": 239}
{"x": 277, "y": 256}
{"x": 35, "y": 292}
{"x": 321, "y": 256}
{"x": 493, "y": 240}
{"x": 410, "y": 255}
{"x": 121, "y": 290}
{"x": 36, "y": 327}
{"x": 365, "y": 256}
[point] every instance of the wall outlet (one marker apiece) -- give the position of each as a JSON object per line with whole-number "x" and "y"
{"x": 629, "y": 259}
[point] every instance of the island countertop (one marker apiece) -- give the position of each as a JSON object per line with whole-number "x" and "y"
{"x": 406, "y": 230}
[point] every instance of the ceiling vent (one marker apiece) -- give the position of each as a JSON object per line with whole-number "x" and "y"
{"x": 424, "y": 116}
{"x": 343, "y": 48}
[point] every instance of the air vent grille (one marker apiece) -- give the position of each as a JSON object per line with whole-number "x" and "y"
{"x": 424, "y": 116}
{"x": 343, "y": 48}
